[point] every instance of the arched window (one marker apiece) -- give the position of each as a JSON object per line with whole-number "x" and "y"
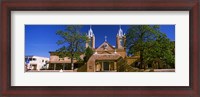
{"x": 121, "y": 42}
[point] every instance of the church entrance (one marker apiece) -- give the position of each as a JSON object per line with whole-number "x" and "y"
{"x": 103, "y": 62}
{"x": 105, "y": 66}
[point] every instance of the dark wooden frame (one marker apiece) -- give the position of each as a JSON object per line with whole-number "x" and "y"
{"x": 99, "y": 5}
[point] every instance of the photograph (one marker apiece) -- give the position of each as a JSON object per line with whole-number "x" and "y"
{"x": 115, "y": 48}
{"x": 99, "y": 48}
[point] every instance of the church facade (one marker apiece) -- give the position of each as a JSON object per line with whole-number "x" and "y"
{"x": 106, "y": 58}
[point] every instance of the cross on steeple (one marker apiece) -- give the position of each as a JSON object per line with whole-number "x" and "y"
{"x": 105, "y": 38}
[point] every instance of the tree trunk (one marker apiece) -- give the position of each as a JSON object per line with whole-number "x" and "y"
{"x": 141, "y": 59}
{"x": 72, "y": 64}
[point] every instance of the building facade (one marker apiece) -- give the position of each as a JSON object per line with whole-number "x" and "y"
{"x": 106, "y": 56}
{"x": 57, "y": 63}
{"x": 36, "y": 62}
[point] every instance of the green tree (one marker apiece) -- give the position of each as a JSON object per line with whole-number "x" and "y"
{"x": 73, "y": 43}
{"x": 161, "y": 50}
{"x": 88, "y": 53}
{"x": 150, "y": 43}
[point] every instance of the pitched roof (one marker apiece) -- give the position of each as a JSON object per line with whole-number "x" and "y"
{"x": 105, "y": 45}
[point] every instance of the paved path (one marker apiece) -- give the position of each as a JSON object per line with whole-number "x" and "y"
{"x": 155, "y": 70}
{"x": 164, "y": 70}
{"x": 51, "y": 71}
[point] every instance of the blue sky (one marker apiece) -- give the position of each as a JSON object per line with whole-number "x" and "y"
{"x": 40, "y": 39}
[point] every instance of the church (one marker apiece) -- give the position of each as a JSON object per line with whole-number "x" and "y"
{"x": 106, "y": 58}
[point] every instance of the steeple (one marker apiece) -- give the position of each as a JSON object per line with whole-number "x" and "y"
{"x": 90, "y": 32}
{"x": 120, "y": 39}
{"x": 120, "y": 32}
{"x": 91, "y": 38}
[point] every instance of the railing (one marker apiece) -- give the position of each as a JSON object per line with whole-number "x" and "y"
{"x": 122, "y": 66}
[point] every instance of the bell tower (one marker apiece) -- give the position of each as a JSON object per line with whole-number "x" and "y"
{"x": 91, "y": 38}
{"x": 120, "y": 39}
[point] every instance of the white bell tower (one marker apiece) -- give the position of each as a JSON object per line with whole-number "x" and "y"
{"x": 120, "y": 39}
{"x": 91, "y": 38}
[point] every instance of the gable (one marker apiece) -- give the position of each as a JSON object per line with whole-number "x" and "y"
{"x": 105, "y": 46}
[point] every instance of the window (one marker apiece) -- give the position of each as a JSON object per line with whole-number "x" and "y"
{"x": 34, "y": 59}
{"x": 105, "y": 46}
{"x": 90, "y": 43}
{"x": 121, "y": 42}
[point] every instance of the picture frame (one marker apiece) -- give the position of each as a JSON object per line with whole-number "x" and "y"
{"x": 193, "y": 90}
